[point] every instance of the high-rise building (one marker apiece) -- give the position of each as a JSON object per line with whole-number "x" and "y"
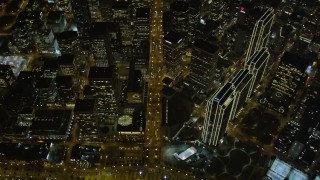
{"x": 56, "y": 21}
{"x": 203, "y": 64}
{"x": 257, "y": 65}
{"x": 180, "y": 16}
{"x": 82, "y": 15}
{"x": 45, "y": 90}
{"x": 101, "y": 79}
{"x": 46, "y": 43}
{"x": 142, "y": 24}
{"x": 68, "y": 42}
{"x": 121, "y": 13}
{"x": 261, "y": 33}
{"x": 194, "y": 18}
{"x": 218, "y": 113}
{"x": 242, "y": 83}
{"x": 288, "y": 79}
{"x": 121, "y": 10}
{"x": 114, "y": 32}
{"x": 67, "y": 65}
{"x": 85, "y": 116}
{"x": 100, "y": 44}
{"x": 141, "y": 61}
{"x": 173, "y": 47}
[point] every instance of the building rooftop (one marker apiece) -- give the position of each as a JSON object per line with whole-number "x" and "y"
{"x": 173, "y": 38}
{"x": 50, "y": 64}
{"x": 88, "y": 90}
{"x": 55, "y": 16}
{"x": 206, "y": 46}
{"x": 167, "y": 81}
{"x": 84, "y": 105}
{"x": 222, "y": 95}
{"x": 64, "y": 81}
{"x": 120, "y": 5}
{"x": 67, "y": 35}
{"x": 143, "y": 13}
{"x": 66, "y": 59}
{"x": 51, "y": 121}
{"x": 28, "y": 75}
{"x": 241, "y": 79}
{"x": 259, "y": 58}
{"x": 179, "y": 108}
{"x": 179, "y": 6}
{"x": 195, "y": 4}
{"x": 103, "y": 28}
{"x": 135, "y": 80}
{"x": 101, "y": 73}
{"x": 43, "y": 83}
{"x": 296, "y": 61}
{"x": 134, "y": 123}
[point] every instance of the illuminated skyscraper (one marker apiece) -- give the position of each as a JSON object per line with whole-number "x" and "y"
{"x": 194, "y": 18}
{"x": 174, "y": 46}
{"x": 82, "y": 16}
{"x": 100, "y": 44}
{"x": 101, "y": 79}
{"x": 142, "y": 24}
{"x": 180, "y": 16}
{"x": 261, "y": 33}
{"x": 218, "y": 113}
{"x": 242, "y": 83}
{"x": 257, "y": 66}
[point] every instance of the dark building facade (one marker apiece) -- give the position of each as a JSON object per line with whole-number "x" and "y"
{"x": 203, "y": 64}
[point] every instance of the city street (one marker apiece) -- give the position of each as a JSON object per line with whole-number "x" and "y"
{"x": 154, "y": 104}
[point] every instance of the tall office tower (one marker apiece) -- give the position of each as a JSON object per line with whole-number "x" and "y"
{"x": 84, "y": 114}
{"x": 142, "y": 24}
{"x": 100, "y": 44}
{"x": 261, "y": 33}
{"x": 218, "y": 113}
{"x": 180, "y": 16}
{"x": 173, "y": 47}
{"x": 101, "y": 79}
{"x": 114, "y": 33}
{"x": 141, "y": 60}
{"x": 194, "y": 18}
{"x": 46, "y": 43}
{"x": 241, "y": 82}
{"x": 203, "y": 64}
{"x": 82, "y": 16}
{"x": 121, "y": 11}
{"x": 257, "y": 65}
